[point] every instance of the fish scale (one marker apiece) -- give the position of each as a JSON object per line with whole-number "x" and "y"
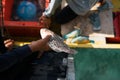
{"x": 56, "y": 42}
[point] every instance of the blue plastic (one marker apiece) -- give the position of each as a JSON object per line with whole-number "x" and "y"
{"x": 26, "y": 10}
{"x": 73, "y": 34}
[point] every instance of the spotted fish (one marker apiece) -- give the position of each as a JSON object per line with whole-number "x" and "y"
{"x": 56, "y": 42}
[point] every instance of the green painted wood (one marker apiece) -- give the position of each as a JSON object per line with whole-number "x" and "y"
{"x": 97, "y": 64}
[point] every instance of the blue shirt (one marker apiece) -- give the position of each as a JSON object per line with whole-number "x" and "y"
{"x": 8, "y": 59}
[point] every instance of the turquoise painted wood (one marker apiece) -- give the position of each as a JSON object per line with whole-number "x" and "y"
{"x": 97, "y": 64}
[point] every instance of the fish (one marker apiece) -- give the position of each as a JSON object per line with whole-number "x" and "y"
{"x": 56, "y": 43}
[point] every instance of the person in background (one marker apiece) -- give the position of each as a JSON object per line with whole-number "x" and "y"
{"x": 69, "y": 12}
{"x": 73, "y": 9}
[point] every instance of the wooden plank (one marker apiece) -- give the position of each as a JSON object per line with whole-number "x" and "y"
{"x": 90, "y": 45}
{"x": 116, "y": 4}
{"x": 70, "y": 70}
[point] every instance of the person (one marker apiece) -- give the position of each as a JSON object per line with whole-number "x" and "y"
{"x": 11, "y": 57}
{"x": 14, "y": 62}
{"x": 67, "y": 16}
{"x": 69, "y": 12}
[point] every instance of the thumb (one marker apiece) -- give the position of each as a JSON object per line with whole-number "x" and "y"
{"x": 47, "y": 38}
{"x": 39, "y": 44}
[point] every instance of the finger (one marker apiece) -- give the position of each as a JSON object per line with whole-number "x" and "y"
{"x": 8, "y": 45}
{"x": 47, "y": 38}
{"x": 46, "y": 25}
{"x": 40, "y": 18}
{"x": 43, "y": 25}
{"x": 8, "y": 40}
{"x": 47, "y": 48}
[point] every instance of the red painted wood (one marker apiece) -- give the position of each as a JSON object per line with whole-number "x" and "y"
{"x": 19, "y": 28}
{"x": 112, "y": 39}
{"x": 116, "y": 23}
{"x": 7, "y": 8}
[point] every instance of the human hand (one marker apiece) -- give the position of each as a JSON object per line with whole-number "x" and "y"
{"x": 40, "y": 45}
{"x": 9, "y": 44}
{"x": 44, "y": 21}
